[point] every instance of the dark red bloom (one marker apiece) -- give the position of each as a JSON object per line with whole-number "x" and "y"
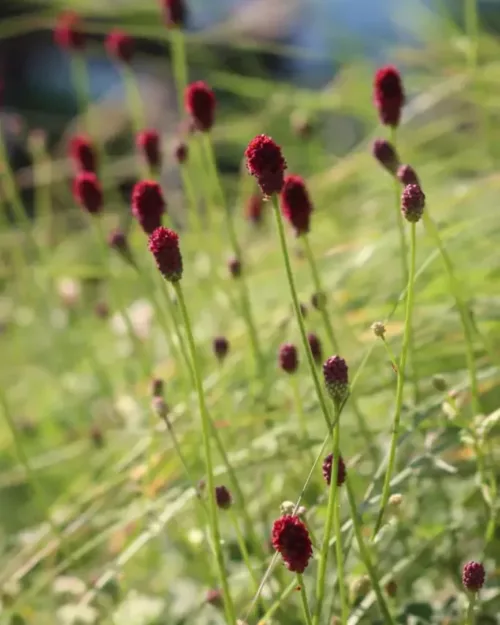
{"x": 223, "y": 497}
{"x": 157, "y": 387}
{"x": 83, "y": 154}
{"x": 407, "y": 175}
{"x": 221, "y": 347}
{"x": 386, "y": 155}
{"x": 68, "y": 32}
{"x": 473, "y": 576}
{"x": 175, "y": 12}
{"x": 181, "y": 152}
{"x": 148, "y": 205}
{"x": 412, "y": 203}
{"x": 199, "y": 101}
{"x": 88, "y": 192}
{"x": 118, "y": 241}
{"x": 336, "y": 376}
{"x": 253, "y": 209}
{"x": 315, "y": 347}
{"x": 388, "y": 95}
{"x": 266, "y": 163}
{"x": 327, "y": 470}
{"x": 296, "y": 205}
{"x": 164, "y": 245}
{"x": 120, "y": 46}
{"x": 291, "y": 539}
{"x": 148, "y": 144}
{"x": 288, "y": 358}
{"x": 234, "y": 266}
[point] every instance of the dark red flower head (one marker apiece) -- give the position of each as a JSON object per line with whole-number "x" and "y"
{"x": 68, "y": 32}
{"x": 164, "y": 245}
{"x": 315, "y": 347}
{"x": 181, "y": 152}
{"x": 157, "y": 387}
{"x": 327, "y": 470}
{"x": 473, "y": 576}
{"x": 288, "y": 358}
{"x": 221, "y": 347}
{"x": 291, "y": 539}
{"x": 388, "y": 95}
{"x": 223, "y": 497}
{"x": 175, "y": 12}
{"x": 83, "y": 154}
{"x": 266, "y": 163}
{"x": 199, "y": 101}
{"x": 234, "y": 266}
{"x": 120, "y": 46}
{"x": 386, "y": 155}
{"x": 407, "y": 175}
{"x": 336, "y": 376}
{"x": 148, "y": 144}
{"x": 88, "y": 192}
{"x": 253, "y": 209}
{"x": 412, "y": 203}
{"x": 148, "y": 205}
{"x": 296, "y": 205}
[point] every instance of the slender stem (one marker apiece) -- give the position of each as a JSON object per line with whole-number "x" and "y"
{"x": 401, "y": 379}
{"x": 81, "y": 86}
{"x": 244, "y": 552}
{"x": 390, "y": 353}
{"x": 134, "y": 100}
{"x": 205, "y": 425}
{"x": 299, "y": 407}
{"x": 305, "y": 602}
{"x": 363, "y": 426}
{"x": 365, "y": 556}
{"x": 332, "y": 521}
{"x": 298, "y": 314}
{"x": 179, "y": 63}
{"x": 246, "y": 307}
{"x": 278, "y": 603}
{"x": 403, "y": 252}
{"x": 472, "y": 32}
{"x": 470, "y": 618}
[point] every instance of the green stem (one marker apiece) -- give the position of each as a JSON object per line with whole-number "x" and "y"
{"x": 472, "y": 32}
{"x": 179, "y": 63}
{"x": 365, "y": 556}
{"x": 363, "y": 426}
{"x": 81, "y": 86}
{"x": 298, "y": 314}
{"x": 134, "y": 100}
{"x": 403, "y": 251}
{"x": 305, "y": 602}
{"x": 278, "y": 603}
{"x": 244, "y": 553}
{"x": 332, "y": 521}
{"x": 401, "y": 379}
{"x": 205, "y": 425}
{"x": 470, "y": 619}
{"x": 299, "y": 407}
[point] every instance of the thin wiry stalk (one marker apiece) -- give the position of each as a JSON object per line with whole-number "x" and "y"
{"x": 401, "y": 379}
{"x": 205, "y": 425}
{"x": 305, "y": 603}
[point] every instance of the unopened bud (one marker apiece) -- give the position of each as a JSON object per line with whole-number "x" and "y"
{"x": 360, "y": 587}
{"x": 439, "y": 383}
{"x": 287, "y": 508}
{"x": 160, "y": 408}
{"x": 395, "y": 501}
{"x": 378, "y": 328}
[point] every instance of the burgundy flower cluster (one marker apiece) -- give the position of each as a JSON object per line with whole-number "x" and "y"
{"x": 388, "y": 95}
{"x": 290, "y": 538}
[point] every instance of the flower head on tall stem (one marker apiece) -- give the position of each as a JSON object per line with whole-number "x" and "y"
{"x": 220, "y": 347}
{"x": 407, "y": 175}
{"x": 266, "y": 163}
{"x": 223, "y": 497}
{"x": 164, "y": 245}
{"x": 290, "y": 538}
{"x": 327, "y": 470}
{"x": 288, "y": 358}
{"x": 148, "y": 205}
{"x": 386, "y": 155}
{"x": 388, "y": 95}
{"x": 148, "y": 144}
{"x": 88, "y": 192}
{"x": 235, "y": 267}
{"x": 199, "y": 100}
{"x": 412, "y": 203}
{"x": 473, "y": 576}
{"x": 83, "y": 153}
{"x": 296, "y": 204}
{"x": 336, "y": 376}
{"x": 68, "y": 32}
{"x": 120, "y": 46}
{"x": 181, "y": 152}
{"x": 315, "y": 347}
{"x": 254, "y": 209}
{"x": 174, "y": 12}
